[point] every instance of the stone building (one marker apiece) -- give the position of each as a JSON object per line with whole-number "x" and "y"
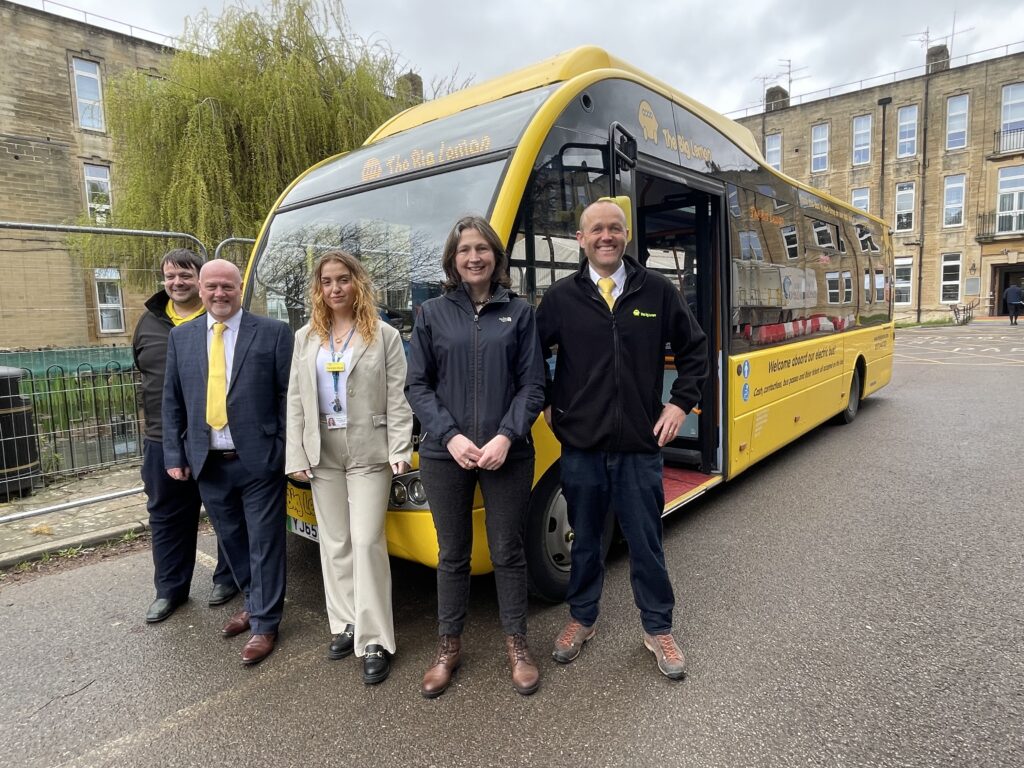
{"x": 940, "y": 156}
{"x": 55, "y": 164}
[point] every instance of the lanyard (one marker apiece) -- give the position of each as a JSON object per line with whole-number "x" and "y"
{"x": 335, "y": 357}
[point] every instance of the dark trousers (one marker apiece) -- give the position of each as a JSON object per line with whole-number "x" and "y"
{"x": 629, "y": 484}
{"x": 248, "y": 514}
{"x": 1014, "y": 310}
{"x": 506, "y": 493}
{"x": 173, "y": 523}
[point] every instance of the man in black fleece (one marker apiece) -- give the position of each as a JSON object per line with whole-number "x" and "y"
{"x": 173, "y": 507}
{"x": 611, "y": 322}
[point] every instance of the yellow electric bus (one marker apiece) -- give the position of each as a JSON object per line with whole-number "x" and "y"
{"x": 792, "y": 286}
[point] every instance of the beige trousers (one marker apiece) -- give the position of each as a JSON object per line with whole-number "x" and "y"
{"x": 351, "y": 502}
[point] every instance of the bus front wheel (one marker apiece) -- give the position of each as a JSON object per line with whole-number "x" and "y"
{"x": 849, "y": 413}
{"x": 548, "y": 539}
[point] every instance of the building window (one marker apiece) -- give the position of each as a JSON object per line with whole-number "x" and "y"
{"x": 956, "y": 122}
{"x": 867, "y": 241}
{"x": 905, "y": 206}
{"x": 950, "y": 278}
{"x": 953, "y": 201}
{"x": 907, "y": 131}
{"x": 832, "y": 286}
{"x": 1011, "y": 199}
{"x": 862, "y": 140}
{"x": 1012, "y": 135}
{"x": 109, "y": 302}
{"x": 902, "y": 274}
{"x": 97, "y": 192}
{"x": 750, "y": 246}
{"x": 859, "y": 197}
{"x": 88, "y": 94}
{"x": 773, "y": 150}
{"x": 823, "y": 234}
{"x": 789, "y": 237}
{"x": 819, "y": 148}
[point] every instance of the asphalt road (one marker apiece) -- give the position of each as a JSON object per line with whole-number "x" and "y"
{"x": 854, "y": 600}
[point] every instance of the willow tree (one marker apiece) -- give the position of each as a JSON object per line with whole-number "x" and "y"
{"x": 249, "y": 100}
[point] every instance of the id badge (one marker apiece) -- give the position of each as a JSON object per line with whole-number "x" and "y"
{"x": 337, "y": 422}
{"x": 335, "y": 367}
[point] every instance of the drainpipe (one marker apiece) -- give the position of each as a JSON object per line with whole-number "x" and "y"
{"x": 921, "y": 176}
{"x": 883, "y": 103}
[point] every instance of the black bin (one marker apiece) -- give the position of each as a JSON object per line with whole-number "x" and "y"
{"x": 19, "y": 451}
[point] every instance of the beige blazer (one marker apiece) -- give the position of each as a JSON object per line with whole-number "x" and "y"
{"x": 379, "y": 417}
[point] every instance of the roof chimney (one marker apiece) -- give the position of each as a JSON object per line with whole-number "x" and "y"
{"x": 775, "y": 98}
{"x": 938, "y": 59}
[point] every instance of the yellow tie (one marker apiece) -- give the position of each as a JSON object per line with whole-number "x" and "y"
{"x": 217, "y": 383}
{"x": 606, "y": 285}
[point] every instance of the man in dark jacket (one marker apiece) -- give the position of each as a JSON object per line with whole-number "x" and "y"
{"x": 611, "y": 322}
{"x": 1013, "y": 296}
{"x": 173, "y": 507}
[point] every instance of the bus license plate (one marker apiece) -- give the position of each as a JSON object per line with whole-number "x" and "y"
{"x": 302, "y": 528}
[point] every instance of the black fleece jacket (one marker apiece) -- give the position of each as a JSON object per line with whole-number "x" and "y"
{"x": 610, "y": 365}
{"x": 478, "y": 373}
{"x": 149, "y": 348}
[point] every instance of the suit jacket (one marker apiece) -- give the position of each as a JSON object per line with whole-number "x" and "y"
{"x": 379, "y": 418}
{"x": 256, "y": 395}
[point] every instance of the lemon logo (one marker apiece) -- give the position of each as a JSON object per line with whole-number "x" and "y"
{"x": 648, "y": 121}
{"x": 636, "y": 313}
{"x": 372, "y": 169}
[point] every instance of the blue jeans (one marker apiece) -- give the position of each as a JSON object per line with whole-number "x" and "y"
{"x": 594, "y": 482}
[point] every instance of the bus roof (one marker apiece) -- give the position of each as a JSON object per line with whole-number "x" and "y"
{"x": 560, "y": 68}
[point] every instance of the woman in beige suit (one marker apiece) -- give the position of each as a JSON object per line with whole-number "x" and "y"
{"x": 349, "y": 431}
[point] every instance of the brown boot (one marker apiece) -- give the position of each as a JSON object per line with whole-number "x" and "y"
{"x": 525, "y": 675}
{"x": 439, "y": 676}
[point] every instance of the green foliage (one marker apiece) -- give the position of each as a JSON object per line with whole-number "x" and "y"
{"x": 250, "y": 101}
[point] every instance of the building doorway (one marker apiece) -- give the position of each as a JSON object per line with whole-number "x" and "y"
{"x": 1007, "y": 275}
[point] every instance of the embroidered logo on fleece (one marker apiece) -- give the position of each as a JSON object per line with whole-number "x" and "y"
{"x": 505, "y": 319}
{"x": 640, "y": 313}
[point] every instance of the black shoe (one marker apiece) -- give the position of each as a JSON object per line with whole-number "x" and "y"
{"x": 221, "y": 593}
{"x": 376, "y": 665}
{"x": 161, "y": 608}
{"x": 342, "y": 645}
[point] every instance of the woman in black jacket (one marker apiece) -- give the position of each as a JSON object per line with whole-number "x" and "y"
{"x": 476, "y": 379}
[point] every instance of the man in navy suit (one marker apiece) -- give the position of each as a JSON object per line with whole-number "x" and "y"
{"x": 224, "y": 424}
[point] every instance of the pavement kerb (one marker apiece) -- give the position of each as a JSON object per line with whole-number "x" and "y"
{"x": 91, "y": 538}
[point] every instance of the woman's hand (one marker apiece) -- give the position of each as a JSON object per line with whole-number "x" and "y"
{"x": 400, "y": 467}
{"x": 494, "y": 452}
{"x": 302, "y": 476}
{"x": 464, "y": 451}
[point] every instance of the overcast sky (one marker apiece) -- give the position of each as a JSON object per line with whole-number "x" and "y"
{"x": 713, "y": 51}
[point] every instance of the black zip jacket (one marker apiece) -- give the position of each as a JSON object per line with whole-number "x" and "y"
{"x": 149, "y": 349}
{"x": 610, "y": 367}
{"x": 475, "y": 372}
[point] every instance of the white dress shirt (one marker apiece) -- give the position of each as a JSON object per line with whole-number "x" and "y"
{"x": 220, "y": 439}
{"x": 619, "y": 276}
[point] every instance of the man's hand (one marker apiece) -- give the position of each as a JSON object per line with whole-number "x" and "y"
{"x": 464, "y": 451}
{"x": 667, "y": 427}
{"x": 400, "y": 467}
{"x": 302, "y": 476}
{"x": 547, "y": 416}
{"x": 494, "y": 452}
{"x": 178, "y": 473}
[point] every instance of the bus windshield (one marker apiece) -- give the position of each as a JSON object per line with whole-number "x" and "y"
{"x": 397, "y": 231}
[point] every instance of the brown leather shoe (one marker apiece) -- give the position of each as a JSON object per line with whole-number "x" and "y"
{"x": 448, "y": 659}
{"x": 525, "y": 675}
{"x": 258, "y": 648}
{"x": 236, "y": 625}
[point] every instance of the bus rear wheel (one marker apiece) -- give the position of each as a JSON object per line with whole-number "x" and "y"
{"x": 548, "y": 539}
{"x": 849, "y": 413}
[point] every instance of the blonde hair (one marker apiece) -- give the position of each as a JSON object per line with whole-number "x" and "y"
{"x": 364, "y": 306}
